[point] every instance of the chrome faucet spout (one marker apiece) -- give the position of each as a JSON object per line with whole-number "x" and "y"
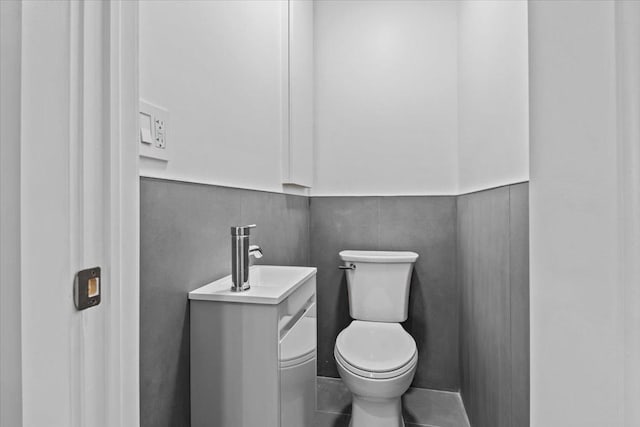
{"x": 241, "y": 252}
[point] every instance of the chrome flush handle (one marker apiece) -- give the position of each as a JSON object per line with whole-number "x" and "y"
{"x": 347, "y": 267}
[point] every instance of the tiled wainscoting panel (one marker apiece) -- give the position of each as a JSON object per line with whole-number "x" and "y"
{"x": 184, "y": 244}
{"x": 426, "y": 225}
{"x": 421, "y": 407}
{"x": 493, "y": 271}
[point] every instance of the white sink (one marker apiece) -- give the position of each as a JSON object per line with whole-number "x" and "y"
{"x": 270, "y": 284}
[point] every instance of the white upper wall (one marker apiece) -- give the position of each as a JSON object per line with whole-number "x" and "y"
{"x": 217, "y": 66}
{"x": 493, "y": 92}
{"x": 386, "y": 97}
{"x": 411, "y": 97}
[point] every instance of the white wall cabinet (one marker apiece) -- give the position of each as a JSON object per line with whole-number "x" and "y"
{"x": 297, "y": 147}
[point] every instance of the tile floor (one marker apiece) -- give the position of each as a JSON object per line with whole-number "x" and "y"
{"x": 422, "y": 407}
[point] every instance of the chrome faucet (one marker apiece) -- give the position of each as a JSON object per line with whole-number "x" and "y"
{"x": 241, "y": 251}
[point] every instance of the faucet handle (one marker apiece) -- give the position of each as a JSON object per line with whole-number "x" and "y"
{"x": 241, "y": 230}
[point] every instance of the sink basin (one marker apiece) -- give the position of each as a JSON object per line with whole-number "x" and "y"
{"x": 270, "y": 284}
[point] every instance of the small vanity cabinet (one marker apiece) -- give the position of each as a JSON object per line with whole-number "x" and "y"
{"x": 253, "y": 353}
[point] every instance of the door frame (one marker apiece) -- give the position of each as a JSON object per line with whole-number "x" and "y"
{"x": 103, "y": 132}
{"x": 124, "y": 317}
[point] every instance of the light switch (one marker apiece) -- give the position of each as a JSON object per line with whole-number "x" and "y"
{"x": 145, "y": 136}
{"x": 145, "y": 128}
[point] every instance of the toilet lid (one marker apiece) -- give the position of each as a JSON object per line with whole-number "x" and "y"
{"x": 375, "y": 346}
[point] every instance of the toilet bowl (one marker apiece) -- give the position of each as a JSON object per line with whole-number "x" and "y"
{"x": 376, "y": 358}
{"x": 377, "y": 362}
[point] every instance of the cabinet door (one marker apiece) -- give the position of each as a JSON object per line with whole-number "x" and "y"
{"x": 298, "y": 372}
{"x": 298, "y": 144}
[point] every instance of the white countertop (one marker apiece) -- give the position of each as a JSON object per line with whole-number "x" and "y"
{"x": 270, "y": 284}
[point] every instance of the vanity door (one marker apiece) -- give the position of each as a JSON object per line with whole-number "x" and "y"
{"x": 298, "y": 368}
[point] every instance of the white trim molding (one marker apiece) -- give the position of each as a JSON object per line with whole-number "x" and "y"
{"x": 124, "y": 248}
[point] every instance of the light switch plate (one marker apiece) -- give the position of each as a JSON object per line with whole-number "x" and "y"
{"x": 154, "y": 136}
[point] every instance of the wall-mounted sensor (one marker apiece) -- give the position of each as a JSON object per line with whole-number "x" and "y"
{"x": 87, "y": 288}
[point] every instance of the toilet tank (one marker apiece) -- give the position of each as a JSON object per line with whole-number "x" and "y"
{"x": 378, "y": 284}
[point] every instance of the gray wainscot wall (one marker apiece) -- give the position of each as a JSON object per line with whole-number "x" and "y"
{"x": 426, "y": 225}
{"x": 493, "y": 259}
{"x": 184, "y": 244}
{"x": 469, "y": 304}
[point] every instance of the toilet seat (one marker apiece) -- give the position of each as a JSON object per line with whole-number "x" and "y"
{"x": 376, "y": 375}
{"x": 376, "y": 349}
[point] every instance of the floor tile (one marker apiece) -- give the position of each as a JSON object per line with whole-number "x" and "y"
{"x": 421, "y": 407}
{"x": 330, "y": 419}
{"x": 333, "y": 396}
{"x": 434, "y": 408}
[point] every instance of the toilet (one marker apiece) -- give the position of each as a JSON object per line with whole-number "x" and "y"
{"x": 375, "y": 356}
